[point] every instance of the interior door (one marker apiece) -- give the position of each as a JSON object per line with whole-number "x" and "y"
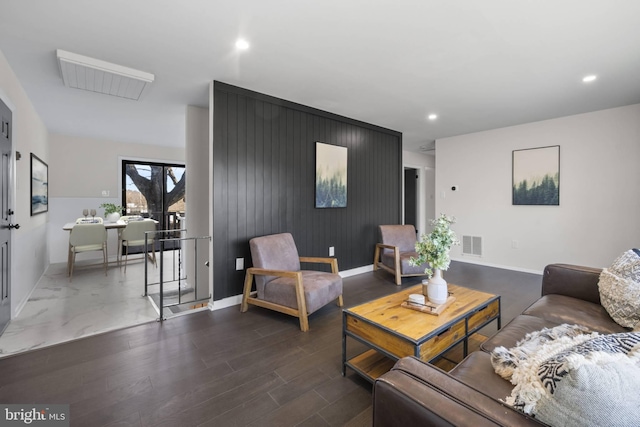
{"x": 5, "y": 217}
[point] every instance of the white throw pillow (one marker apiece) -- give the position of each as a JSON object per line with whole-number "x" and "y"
{"x": 619, "y": 287}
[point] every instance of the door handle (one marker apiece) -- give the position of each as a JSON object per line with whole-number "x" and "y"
{"x": 16, "y": 226}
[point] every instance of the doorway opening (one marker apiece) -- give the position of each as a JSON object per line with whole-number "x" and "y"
{"x": 411, "y": 197}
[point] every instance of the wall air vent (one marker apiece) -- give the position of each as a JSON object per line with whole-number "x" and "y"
{"x": 472, "y": 245}
{"x": 94, "y": 75}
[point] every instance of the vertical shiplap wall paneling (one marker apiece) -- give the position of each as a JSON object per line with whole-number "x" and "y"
{"x": 252, "y": 181}
{"x": 264, "y": 181}
{"x": 232, "y": 174}
{"x": 220, "y": 215}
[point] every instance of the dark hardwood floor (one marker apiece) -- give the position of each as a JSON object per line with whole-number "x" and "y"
{"x": 226, "y": 368}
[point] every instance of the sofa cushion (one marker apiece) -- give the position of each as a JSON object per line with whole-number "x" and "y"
{"x": 578, "y": 380}
{"x": 476, "y": 371}
{"x": 563, "y": 309}
{"x": 619, "y": 287}
{"x": 515, "y": 331}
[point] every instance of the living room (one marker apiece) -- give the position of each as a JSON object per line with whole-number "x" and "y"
{"x": 473, "y": 138}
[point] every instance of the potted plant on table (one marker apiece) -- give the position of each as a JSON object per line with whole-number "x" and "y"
{"x": 434, "y": 249}
{"x": 111, "y": 211}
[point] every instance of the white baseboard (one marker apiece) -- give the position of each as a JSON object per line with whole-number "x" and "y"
{"x": 20, "y": 306}
{"x": 225, "y": 302}
{"x": 356, "y": 271}
{"x": 504, "y": 267}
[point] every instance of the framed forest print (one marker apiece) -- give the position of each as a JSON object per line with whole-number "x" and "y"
{"x": 331, "y": 176}
{"x": 536, "y": 176}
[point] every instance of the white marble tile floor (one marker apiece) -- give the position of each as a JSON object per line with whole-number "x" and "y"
{"x": 60, "y": 310}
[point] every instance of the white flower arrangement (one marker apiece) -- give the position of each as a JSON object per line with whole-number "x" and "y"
{"x": 434, "y": 247}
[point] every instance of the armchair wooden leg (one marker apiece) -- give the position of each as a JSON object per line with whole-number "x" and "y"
{"x": 304, "y": 323}
{"x": 398, "y": 267}
{"x": 302, "y": 304}
{"x": 248, "y": 282}
{"x": 376, "y": 258}
{"x": 340, "y": 303}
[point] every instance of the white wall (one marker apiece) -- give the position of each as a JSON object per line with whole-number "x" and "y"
{"x": 599, "y": 213}
{"x": 425, "y": 164}
{"x": 79, "y": 170}
{"x": 197, "y": 195}
{"x": 29, "y": 256}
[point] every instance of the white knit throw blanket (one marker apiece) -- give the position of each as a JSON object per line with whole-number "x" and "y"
{"x": 565, "y": 376}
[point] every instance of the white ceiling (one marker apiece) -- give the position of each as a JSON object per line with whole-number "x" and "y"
{"x": 477, "y": 64}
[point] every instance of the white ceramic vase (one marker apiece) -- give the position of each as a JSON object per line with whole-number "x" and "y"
{"x": 437, "y": 288}
{"x": 113, "y": 217}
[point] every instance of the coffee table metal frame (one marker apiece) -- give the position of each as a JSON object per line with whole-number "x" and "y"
{"x": 490, "y": 302}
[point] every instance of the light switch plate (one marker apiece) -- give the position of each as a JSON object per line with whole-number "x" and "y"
{"x": 239, "y": 264}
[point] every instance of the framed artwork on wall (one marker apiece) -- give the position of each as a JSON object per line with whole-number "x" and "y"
{"x": 536, "y": 176}
{"x": 331, "y": 176}
{"x": 39, "y": 186}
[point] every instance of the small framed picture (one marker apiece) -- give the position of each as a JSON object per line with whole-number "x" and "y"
{"x": 39, "y": 186}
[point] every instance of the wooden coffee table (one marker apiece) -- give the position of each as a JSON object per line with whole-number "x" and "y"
{"x": 393, "y": 332}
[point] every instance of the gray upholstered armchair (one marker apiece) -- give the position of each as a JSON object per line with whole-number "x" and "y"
{"x": 397, "y": 247}
{"x": 280, "y": 283}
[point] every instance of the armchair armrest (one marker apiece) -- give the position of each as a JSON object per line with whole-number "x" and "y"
{"x": 396, "y": 271}
{"x": 266, "y": 272}
{"x": 321, "y": 260}
{"x": 417, "y": 393}
{"x": 573, "y": 281}
{"x": 385, "y": 246}
{"x": 395, "y": 249}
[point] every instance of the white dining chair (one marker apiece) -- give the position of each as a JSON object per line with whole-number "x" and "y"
{"x": 87, "y": 238}
{"x": 134, "y": 235}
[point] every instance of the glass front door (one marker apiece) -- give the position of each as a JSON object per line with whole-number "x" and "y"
{"x": 154, "y": 190}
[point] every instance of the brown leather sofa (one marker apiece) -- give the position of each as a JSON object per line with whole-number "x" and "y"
{"x": 417, "y": 393}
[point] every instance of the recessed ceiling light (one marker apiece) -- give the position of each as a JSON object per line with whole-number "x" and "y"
{"x": 589, "y": 78}
{"x": 432, "y": 116}
{"x": 242, "y": 44}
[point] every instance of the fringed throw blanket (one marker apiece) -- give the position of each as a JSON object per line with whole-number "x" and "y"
{"x": 566, "y": 376}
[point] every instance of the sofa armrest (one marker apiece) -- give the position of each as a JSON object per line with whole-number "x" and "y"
{"x": 573, "y": 281}
{"x": 417, "y": 393}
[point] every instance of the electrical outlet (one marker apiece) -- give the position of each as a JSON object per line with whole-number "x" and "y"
{"x": 332, "y": 251}
{"x": 105, "y": 193}
{"x": 514, "y": 244}
{"x": 239, "y": 264}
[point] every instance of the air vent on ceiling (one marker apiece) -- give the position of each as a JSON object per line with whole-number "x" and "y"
{"x": 82, "y": 72}
{"x": 472, "y": 245}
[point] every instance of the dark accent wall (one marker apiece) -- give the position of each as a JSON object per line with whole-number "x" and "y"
{"x": 264, "y": 181}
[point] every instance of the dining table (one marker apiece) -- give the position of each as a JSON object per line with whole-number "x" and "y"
{"x": 109, "y": 225}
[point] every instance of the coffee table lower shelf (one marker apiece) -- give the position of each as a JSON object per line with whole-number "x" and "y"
{"x": 371, "y": 364}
